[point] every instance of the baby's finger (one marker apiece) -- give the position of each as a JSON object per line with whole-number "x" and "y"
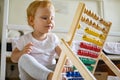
{"x": 28, "y": 50}
{"x": 30, "y": 43}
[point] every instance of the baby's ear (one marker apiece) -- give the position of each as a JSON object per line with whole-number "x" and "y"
{"x": 31, "y": 20}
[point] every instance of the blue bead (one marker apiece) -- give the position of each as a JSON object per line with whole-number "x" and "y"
{"x": 69, "y": 79}
{"x": 77, "y": 74}
{"x": 68, "y": 74}
{"x": 72, "y": 74}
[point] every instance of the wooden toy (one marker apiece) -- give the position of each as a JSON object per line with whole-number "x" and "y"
{"x": 90, "y": 51}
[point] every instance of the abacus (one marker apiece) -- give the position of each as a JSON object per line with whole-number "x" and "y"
{"x": 95, "y": 30}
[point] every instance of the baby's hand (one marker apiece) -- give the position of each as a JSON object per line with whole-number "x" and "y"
{"x": 28, "y": 48}
{"x": 67, "y": 69}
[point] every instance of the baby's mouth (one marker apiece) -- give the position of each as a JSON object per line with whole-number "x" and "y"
{"x": 49, "y": 26}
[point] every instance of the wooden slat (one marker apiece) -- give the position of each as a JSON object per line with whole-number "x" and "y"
{"x": 110, "y": 64}
{"x": 59, "y": 66}
{"x": 75, "y": 23}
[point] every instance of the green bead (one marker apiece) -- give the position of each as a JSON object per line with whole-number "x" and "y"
{"x": 74, "y": 68}
{"x": 87, "y": 60}
{"x": 90, "y": 68}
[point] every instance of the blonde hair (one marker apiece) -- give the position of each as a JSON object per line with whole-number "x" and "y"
{"x": 32, "y": 8}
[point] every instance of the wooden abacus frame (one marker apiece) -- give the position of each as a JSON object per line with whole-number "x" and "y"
{"x": 67, "y": 52}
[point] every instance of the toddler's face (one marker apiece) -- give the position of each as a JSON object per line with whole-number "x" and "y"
{"x": 44, "y": 20}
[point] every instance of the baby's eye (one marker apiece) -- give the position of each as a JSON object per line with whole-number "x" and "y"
{"x": 45, "y": 18}
{"x": 52, "y": 18}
